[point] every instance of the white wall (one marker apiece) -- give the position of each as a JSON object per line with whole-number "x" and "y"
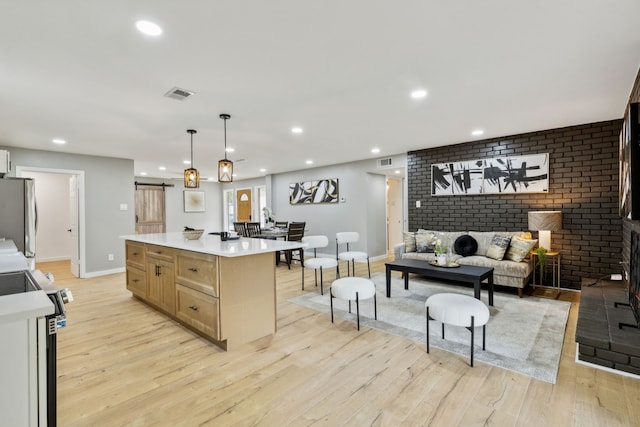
{"x": 108, "y": 184}
{"x": 53, "y": 241}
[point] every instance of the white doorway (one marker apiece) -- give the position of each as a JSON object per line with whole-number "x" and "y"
{"x": 60, "y": 205}
{"x": 394, "y": 213}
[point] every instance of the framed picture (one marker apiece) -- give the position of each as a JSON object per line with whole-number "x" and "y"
{"x": 321, "y": 191}
{"x": 193, "y": 201}
{"x": 502, "y": 175}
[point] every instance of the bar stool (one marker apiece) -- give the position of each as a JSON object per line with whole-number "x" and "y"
{"x": 353, "y": 289}
{"x": 457, "y": 310}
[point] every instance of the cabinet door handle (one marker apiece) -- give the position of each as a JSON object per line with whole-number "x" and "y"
{"x": 134, "y": 253}
{"x": 193, "y": 307}
{"x": 195, "y": 270}
{"x": 135, "y": 280}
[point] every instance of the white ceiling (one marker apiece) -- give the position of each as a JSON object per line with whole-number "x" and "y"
{"x": 342, "y": 70}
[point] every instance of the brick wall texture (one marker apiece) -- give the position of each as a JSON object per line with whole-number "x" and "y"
{"x": 583, "y": 184}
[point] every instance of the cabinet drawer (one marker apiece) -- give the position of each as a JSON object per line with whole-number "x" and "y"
{"x": 135, "y": 254}
{"x": 199, "y": 310}
{"x": 161, "y": 251}
{"x": 198, "y": 271}
{"x": 136, "y": 281}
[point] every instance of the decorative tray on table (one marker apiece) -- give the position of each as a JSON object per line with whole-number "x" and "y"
{"x": 449, "y": 264}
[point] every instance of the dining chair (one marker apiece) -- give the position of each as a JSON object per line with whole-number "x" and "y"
{"x": 314, "y": 242}
{"x": 295, "y": 233}
{"x": 344, "y": 238}
{"x": 253, "y": 229}
{"x": 240, "y": 228}
{"x": 282, "y": 224}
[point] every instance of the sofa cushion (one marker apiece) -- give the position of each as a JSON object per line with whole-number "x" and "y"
{"x": 484, "y": 240}
{"x": 519, "y": 248}
{"x": 498, "y": 247}
{"x": 500, "y": 268}
{"x": 465, "y": 245}
{"x": 425, "y": 242}
{"x": 409, "y": 239}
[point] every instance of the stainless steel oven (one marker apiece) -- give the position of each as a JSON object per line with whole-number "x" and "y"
{"x": 26, "y": 281}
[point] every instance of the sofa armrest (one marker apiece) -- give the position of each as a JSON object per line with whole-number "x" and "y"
{"x": 398, "y": 250}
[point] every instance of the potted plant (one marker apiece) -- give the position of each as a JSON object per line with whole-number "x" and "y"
{"x": 542, "y": 262}
{"x": 441, "y": 253}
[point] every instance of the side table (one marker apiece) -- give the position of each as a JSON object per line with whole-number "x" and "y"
{"x": 553, "y": 261}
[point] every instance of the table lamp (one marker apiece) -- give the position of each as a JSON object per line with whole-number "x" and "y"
{"x": 544, "y": 222}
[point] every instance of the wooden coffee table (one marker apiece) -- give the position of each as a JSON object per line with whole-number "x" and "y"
{"x": 464, "y": 274}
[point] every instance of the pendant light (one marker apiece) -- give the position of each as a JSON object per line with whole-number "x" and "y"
{"x": 225, "y": 166}
{"x": 191, "y": 175}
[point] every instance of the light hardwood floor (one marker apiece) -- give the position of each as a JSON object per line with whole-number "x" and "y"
{"x": 122, "y": 363}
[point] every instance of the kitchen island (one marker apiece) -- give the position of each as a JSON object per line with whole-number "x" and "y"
{"x": 223, "y": 290}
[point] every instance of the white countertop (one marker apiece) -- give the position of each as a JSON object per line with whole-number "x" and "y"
{"x": 211, "y": 244}
{"x": 25, "y": 305}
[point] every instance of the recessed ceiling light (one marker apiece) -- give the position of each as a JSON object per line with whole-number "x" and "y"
{"x": 263, "y": 170}
{"x": 58, "y": 141}
{"x": 234, "y": 175}
{"x": 375, "y": 150}
{"x": 309, "y": 162}
{"x": 296, "y": 129}
{"x": 143, "y": 173}
{"x": 186, "y": 162}
{"x": 398, "y": 172}
{"x": 230, "y": 150}
{"x": 149, "y": 28}
{"x": 162, "y": 168}
{"x": 477, "y": 132}
{"x": 419, "y": 93}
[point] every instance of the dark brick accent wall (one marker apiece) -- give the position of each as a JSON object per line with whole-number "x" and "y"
{"x": 583, "y": 170}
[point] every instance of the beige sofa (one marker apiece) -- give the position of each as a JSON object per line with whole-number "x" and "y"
{"x": 506, "y": 272}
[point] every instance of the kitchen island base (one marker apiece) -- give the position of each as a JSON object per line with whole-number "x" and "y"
{"x": 230, "y": 300}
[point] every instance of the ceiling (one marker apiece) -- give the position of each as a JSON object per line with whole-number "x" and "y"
{"x": 341, "y": 70}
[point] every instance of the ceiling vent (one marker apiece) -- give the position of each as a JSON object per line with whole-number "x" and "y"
{"x": 385, "y": 163}
{"x": 179, "y": 94}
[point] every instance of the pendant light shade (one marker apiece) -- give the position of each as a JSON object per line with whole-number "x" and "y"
{"x": 191, "y": 175}
{"x": 225, "y": 166}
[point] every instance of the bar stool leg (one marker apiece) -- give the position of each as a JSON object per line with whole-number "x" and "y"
{"x": 358, "y": 310}
{"x": 472, "y": 334}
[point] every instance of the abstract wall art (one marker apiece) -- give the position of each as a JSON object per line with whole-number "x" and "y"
{"x": 194, "y": 201}
{"x": 320, "y": 191}
{"x": 502, "y": 175}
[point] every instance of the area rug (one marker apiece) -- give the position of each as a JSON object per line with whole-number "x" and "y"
{"x": 524, "y": 335}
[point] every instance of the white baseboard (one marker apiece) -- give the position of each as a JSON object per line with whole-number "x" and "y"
{"x": 52, "y": 259}
{"x": 104, "y": 272}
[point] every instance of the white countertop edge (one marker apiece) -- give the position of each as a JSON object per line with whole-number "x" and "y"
{"x": 211, "y": 244}
{"x": 25, "y": 305}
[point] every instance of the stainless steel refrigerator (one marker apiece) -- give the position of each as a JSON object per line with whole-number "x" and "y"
{"x": 18, "y": 215}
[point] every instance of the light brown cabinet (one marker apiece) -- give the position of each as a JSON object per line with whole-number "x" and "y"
{"x": 198, "y": 310}
{"x": 160, "y": 282}
{"x": 136, "y": 277}
{"x": 229, "y": 300}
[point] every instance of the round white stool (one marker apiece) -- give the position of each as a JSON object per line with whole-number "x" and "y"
{"x": 457, "y": 310}
{"x": 353, "y": 289}
{"x": 318, "y": 264}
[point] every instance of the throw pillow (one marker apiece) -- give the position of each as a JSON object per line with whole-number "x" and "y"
{"x": 409, "y": 239}
{"x": 520, "y": 248}
{"x": 498, "y": 247}
{"x": 425, "y": 242}
{"x": 465, "y": 245}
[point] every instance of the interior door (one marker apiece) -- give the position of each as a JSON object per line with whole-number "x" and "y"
{"x": 74, "y": 209}
{"x": 150, "y": 209}
{"x": 394, "y": 213}
{"x": 243, "y": 202}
